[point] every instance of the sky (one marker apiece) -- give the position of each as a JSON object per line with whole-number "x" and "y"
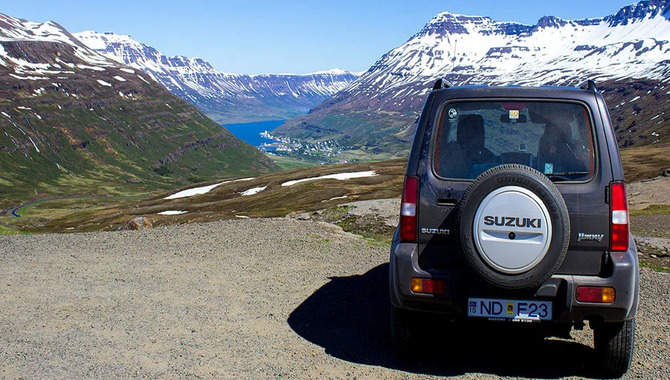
{"x": 276, "y": 36}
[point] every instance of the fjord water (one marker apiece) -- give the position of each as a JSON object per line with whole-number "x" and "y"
{"x": 250, "y": 132}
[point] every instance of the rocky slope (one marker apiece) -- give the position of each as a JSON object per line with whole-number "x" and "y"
{"x": 627, "y": 53}
{"x": 74, "y": 121}
{"x": 225, "y": 97}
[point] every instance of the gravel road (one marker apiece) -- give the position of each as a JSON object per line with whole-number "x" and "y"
{"x": 256, "y": 298}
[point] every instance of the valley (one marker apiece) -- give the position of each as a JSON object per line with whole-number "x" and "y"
{"x": 267, "y": 203}
{"x": 223, "y": 97}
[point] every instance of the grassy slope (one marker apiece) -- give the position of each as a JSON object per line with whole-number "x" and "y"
{"x": 288, "y": 163}
{"x": 224, "y": 202}
{"x": 372, "y": 135}
{"x": 647, "y": 161}
{"x": 100, "y": 142}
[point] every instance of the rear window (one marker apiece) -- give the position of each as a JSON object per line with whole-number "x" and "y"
{"x": 552, "y": 137}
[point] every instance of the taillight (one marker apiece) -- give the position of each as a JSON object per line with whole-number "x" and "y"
{"x": 595, "y": 294}
{"x": 408, "y": 219}
{"x": 428, "y": 286}
{"x": 618, "y": 217}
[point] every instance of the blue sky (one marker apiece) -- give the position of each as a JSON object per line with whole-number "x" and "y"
{"x": 266, "y": 36}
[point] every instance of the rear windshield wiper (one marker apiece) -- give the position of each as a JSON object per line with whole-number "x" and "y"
{"x": 565, "y": 176}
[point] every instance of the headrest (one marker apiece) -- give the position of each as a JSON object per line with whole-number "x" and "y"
{"x": 470, "y": 130}
{"x": 558, "y": 131}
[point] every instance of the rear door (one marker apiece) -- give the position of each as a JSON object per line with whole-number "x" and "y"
{"x": 559, "y": 138}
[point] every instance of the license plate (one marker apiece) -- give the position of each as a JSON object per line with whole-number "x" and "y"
{"x": 514, "y": 310}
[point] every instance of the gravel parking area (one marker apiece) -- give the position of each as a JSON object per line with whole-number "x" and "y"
{"x": 252, "y": 298}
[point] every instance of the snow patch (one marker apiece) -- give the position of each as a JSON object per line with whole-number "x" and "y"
{"x": 333, "y": 198}
{"x": 29, "y": 77}
{"x": 193, "y": 191}
{"x": 201, "y": 189}
{"x": 94, "y": 68}
{"x": 254, "y": 190}
{"x": 172, "y": 212}
{"x": 36, "y": 148}
{"x": 338, "y": 176}
{"x": 102, "y": 82}
{"x": 120, "y": 79}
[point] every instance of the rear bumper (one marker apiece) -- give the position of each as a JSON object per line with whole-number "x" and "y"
{"x": 560, "y": 289}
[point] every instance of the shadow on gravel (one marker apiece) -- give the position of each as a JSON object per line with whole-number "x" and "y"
{"x": 349, "y": 318}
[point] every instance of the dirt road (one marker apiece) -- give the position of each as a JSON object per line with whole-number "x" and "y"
{"x": 248, "y": 299}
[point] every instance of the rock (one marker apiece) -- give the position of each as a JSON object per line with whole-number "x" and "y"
{"x": 385, "y": 210}
{"x": 652, "y": 243}
{"x": 300, "y": 216}
{"x": 666, "y": 172}
{"x": 137, "y": 223}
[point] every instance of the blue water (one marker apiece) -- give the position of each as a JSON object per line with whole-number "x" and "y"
{"x": 250, "y": 132}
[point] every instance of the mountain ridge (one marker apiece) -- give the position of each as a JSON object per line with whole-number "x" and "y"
{"x": 225, "y": 97}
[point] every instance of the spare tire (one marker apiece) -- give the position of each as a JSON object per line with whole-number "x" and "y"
{"x": 514, "y": 227}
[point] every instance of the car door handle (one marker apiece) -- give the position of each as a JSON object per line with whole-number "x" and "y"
{"x": 447, "y": 201}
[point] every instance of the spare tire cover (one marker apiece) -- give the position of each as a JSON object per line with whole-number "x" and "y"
{"x": 514, "y": 227}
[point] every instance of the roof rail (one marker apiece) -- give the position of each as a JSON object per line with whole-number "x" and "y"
{"x": 441, "y": 84}
{"x": 588, "y": 85}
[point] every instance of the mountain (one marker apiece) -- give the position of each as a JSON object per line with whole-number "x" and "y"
{"x": 627, "y": 54}
{"x": 225, "y": 97}
{"x": 73, "y": 121}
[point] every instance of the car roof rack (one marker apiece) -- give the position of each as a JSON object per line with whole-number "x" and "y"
{"x": 588, "y": 85}
{"x": 441, "y": 84}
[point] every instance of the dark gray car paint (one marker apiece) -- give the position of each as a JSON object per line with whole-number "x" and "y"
{"x": 587, "y": 263}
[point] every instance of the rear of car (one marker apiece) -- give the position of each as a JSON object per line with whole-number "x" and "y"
{"x": 514, "y": 210}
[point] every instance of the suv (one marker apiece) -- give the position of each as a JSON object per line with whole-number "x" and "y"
{"x": 514, "y": 210}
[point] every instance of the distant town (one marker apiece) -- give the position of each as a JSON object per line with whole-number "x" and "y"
{"x": 324, "y": 150}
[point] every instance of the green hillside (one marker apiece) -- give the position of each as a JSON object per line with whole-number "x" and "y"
{"x": 99, "y": 130}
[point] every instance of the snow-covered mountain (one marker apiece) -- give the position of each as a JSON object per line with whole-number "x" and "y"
{"x": 16, "y": 32}
{"x": 633, "y": 44}
{"x": 223, "y": 96}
